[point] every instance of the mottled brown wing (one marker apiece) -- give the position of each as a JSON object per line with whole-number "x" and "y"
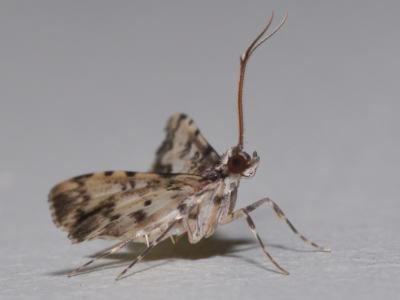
{"x": 116, "y": 205}
{"x": 184, "y": 149}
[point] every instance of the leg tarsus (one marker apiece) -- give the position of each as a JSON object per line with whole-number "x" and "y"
{"x": 113, "y": 250}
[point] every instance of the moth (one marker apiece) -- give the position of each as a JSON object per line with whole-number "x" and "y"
{"x": 190, "y": 189}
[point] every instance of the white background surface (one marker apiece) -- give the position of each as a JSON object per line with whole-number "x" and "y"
{"x": 88, "y": 86}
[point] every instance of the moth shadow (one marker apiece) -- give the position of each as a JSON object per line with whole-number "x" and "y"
{"x": 165, "y": 251}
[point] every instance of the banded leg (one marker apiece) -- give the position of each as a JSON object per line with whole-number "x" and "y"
{"x": 281, "y": 215}
{"x": 243, "y": 212}
{"x": 113, "y": 250}
{"x": 159, "y": 239}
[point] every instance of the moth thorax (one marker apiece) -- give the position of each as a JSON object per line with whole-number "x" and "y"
{"x": 238, "y": 162}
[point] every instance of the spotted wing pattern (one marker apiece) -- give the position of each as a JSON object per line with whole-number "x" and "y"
{"x": 118, "y": 204}
{"x": 184, "y": 149}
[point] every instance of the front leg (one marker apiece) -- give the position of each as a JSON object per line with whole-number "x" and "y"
{"x": 244, "y": 212}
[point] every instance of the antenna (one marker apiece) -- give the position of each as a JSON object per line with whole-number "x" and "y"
{"x": 243, "y": 61}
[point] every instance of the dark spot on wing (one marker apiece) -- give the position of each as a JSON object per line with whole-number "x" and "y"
{"x": 182, "y": 117}
{"x": 82, "y": 216}
{"x": 108, "y": 173}
{"x": 114, "y": 217}
{"x": 139, "y": 216}
{"x": 147, "y": 202}
{"x": 86, "y": 198}
{"x": 88, "y": 222}
{"x": 166, "y": 175}
{"x": 80, "y": 233}
{"x": 123, "y": 186}
{"x": 182, "y": 206}
{"x": 130, "y": 173}
{"x": 108, "y": 209}
{"x": 197, "y": 132}
{"x": 217, "y": 200}
{"x": 184, "y": 209}
{"x": 207, "y": 151}
{"x": 62, "y": 205}
{"x": 78, "y": 215}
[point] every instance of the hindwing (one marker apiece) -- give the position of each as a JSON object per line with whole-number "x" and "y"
{"x": 184, "y": 149}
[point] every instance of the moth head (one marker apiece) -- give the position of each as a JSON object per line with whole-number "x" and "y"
{"x": 239, "y": 163}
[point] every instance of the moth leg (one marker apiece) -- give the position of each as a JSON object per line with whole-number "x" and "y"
{"x": 113, "y": 250}
{"x": 178, "y": 239}
{"x": 172, "y": 239}
{"x": 244, "y": 212}
{"x": 281, "y": 215}
{"x": 159, "y": 239}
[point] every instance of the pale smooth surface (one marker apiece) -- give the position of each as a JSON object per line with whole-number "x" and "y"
{"x": 88, "y": 86}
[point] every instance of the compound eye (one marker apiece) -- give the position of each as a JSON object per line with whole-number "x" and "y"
{"x": 237, "y": 163}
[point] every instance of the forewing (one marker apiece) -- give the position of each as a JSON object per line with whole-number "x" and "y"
{"x": 184, "y": 149}
{"x": 111, "y": 205}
